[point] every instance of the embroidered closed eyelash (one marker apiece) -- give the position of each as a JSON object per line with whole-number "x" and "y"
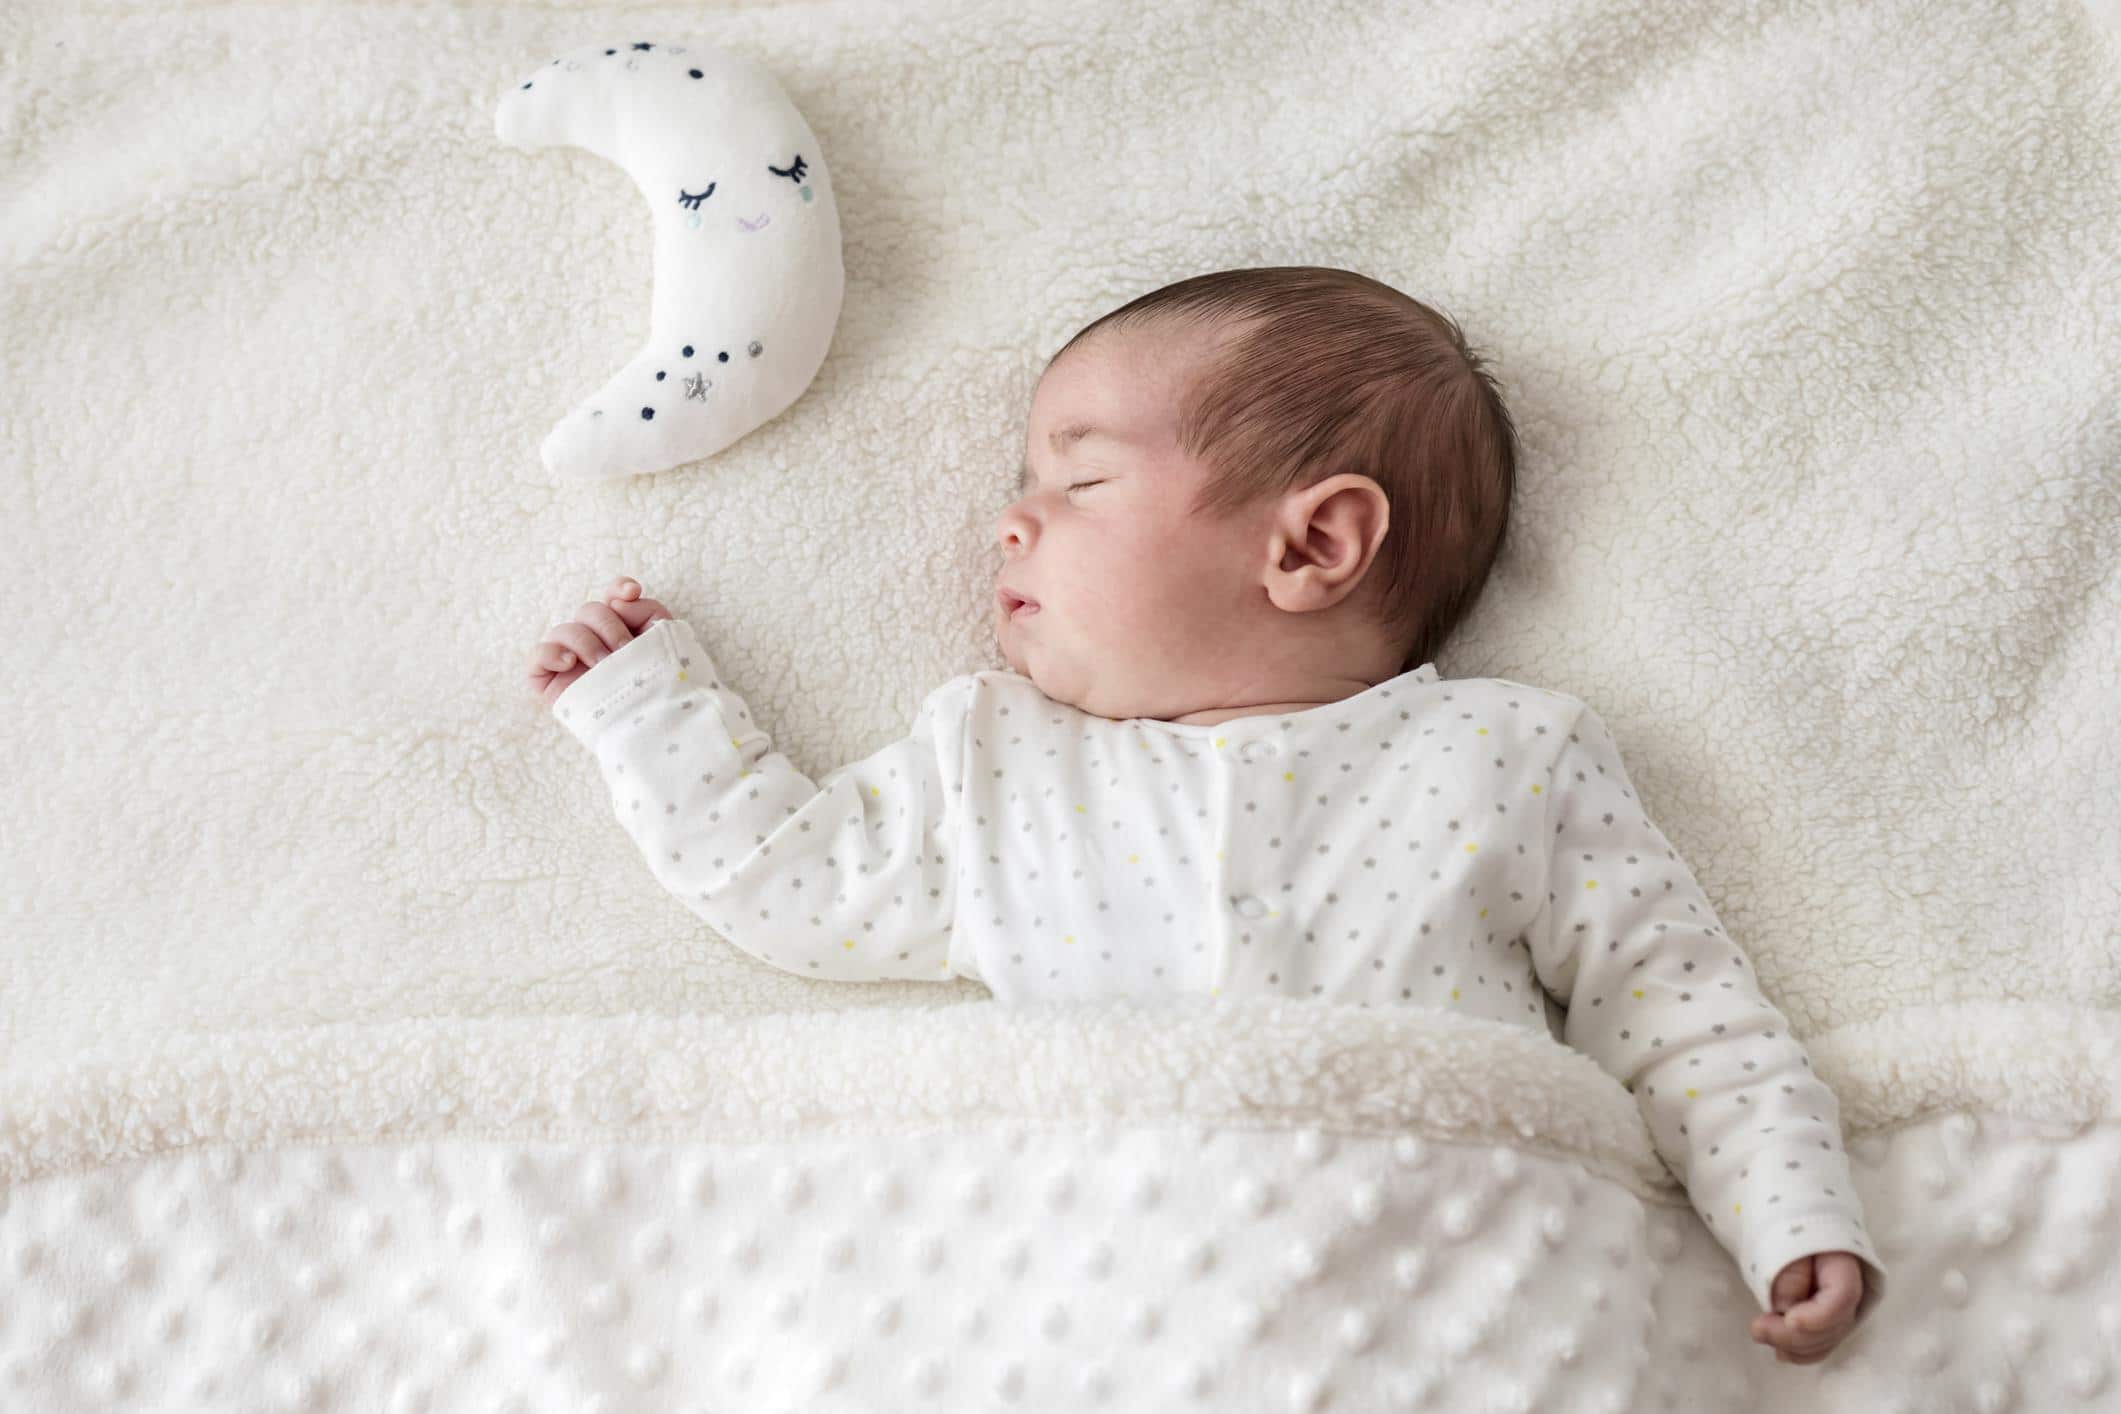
{"x": 794, "y": 172}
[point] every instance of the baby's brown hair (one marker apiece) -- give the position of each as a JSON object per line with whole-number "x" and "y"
{"x": 1315, "y": 372}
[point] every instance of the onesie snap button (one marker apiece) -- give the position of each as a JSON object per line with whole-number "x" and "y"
{"x": 1259, "y": 750}
{"x": 1250, "y": 907}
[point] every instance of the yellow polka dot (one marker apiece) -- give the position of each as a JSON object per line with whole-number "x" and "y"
{"x": 1219, "y": 741}
{"x": 1638, "y": 994}
{"x": 1483, "y": 913}
{"x": 1535, "y": 790}
{"x": 1215, "y": 991}
{"x": 1590, "y": 883}
{"x": 681, "y": 677}
{"x": 1134, "y": 859}
{"x": 1693, "y": 1094}
{"x": 735, "y": 743}
{"x": 1218, "y": 854}
{"x": 1736, "y": 1206}
{"x": 1078, "y": 810}
{"x": 1068, "y": 938}
{"x": 848, "y": 944}
{"x": 741, "y": 774}
{"x": 1454, "y": 994}
{"x": 1472, "y": 849}
{"x": 1288, "y": 775}
{"x": 874, "y": 791}
{"x": 1483, "y": 731}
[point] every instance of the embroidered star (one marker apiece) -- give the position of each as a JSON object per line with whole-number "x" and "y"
{"x": 696, "y": 387}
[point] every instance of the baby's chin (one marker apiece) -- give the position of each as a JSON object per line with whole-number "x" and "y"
{"x": 1018, "y": 656}
{"x": 1017, "y": 652}
{"x": 1021, "y": 666}
{"x": 1016, "y": 649}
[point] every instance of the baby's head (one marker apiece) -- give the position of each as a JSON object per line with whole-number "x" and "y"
{"x": 1298, "y": 482}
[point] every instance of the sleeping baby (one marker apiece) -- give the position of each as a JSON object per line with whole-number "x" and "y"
{"x": 1253, "y": 505}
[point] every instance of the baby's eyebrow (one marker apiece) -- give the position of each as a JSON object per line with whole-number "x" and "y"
{"x": 1061, "y": 437}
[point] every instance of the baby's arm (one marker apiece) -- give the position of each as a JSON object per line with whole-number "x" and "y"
{"x": 849, "y": 879}
{"x": 1660, "y": 997}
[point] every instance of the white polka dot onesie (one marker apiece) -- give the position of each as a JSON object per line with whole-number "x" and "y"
{"x": 1469, "y": 844}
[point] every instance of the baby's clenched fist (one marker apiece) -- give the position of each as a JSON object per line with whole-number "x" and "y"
{"x": 1815, "y": 1307}
{"x": 596, "y": 632}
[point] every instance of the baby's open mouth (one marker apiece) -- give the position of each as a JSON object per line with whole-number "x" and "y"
{"x": 1015, "y": 605}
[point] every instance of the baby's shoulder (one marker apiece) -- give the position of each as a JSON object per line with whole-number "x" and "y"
{"x": 953, "y": 696}
{"x": 972, "y": 698}
{"x": 1002, "y": 685}
{"x": 1543, "y": 705}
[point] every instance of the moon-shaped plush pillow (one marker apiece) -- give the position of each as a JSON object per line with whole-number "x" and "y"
{"x": 748, "y": 277}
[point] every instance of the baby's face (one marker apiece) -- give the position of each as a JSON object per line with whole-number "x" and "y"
{"x": 1142, "y": 608}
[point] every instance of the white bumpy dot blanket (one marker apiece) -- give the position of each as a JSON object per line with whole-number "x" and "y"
{"x": 1254, "y": 1204}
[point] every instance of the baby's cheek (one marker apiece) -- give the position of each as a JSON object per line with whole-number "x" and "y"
{"x": 1181, "y": 590}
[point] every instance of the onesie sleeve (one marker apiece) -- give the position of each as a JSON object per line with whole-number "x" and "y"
{"x": 1657, "y": 993}
{"x": 848, "y": 879}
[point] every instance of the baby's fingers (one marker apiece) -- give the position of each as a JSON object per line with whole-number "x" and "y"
{"x": 588, "y": 649}
{"x": 637, "y": 614}
{"x": 1793, "y": 1344}
{"x": 551, "y": 657}
{"x": 604, "y": 622}
{"x": 553, "y": 669}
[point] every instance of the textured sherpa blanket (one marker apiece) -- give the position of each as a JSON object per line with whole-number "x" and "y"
{"x": 1805, "y": 311}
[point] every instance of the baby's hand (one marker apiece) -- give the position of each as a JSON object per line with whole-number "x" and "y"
{"x": 596, "y": 632}
{"x": 1812, "y": 1319}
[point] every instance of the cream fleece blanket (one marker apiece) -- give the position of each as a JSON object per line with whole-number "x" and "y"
{"x": 1806, "y": 313}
